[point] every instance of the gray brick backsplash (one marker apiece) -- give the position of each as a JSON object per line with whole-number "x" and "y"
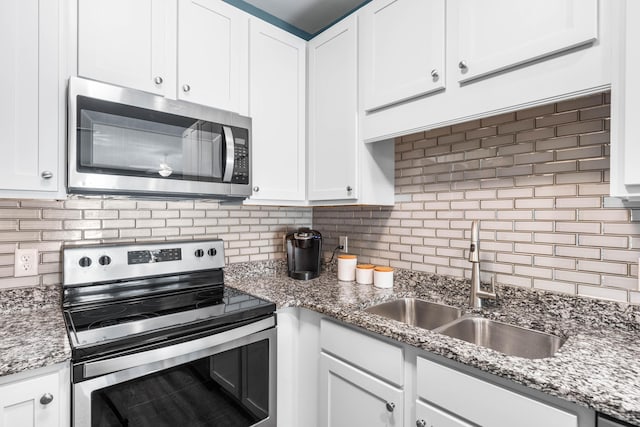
{"x": 535, "y": 178}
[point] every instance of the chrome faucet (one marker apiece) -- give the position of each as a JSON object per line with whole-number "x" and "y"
{"x": 475, "y": 300}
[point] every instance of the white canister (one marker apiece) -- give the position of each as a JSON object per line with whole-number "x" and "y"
{"x": 364, "y": 274}
{"x": 347, "y": 267}
{"x": 383, "y": 277}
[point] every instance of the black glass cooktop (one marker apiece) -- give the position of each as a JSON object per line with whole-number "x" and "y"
{"x": 111, "y": 317}
{"x": 121, "y": 312}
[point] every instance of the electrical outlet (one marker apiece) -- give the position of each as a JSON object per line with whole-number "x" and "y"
{"x": 26, "y": 262}
{"x": 344, "y": 242}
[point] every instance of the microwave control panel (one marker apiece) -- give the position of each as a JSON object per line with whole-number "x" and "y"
{"x": 241, "y": 158}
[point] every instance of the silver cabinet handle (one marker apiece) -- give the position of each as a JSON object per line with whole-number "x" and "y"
{"x": 391, "y": 406}
{"x": 158, "y": 80}
{"x": 46, "y": 174}
{"x": 256, "y": 189}
{"x": 186, "y": 88}
{"x": 463, "y": 65}
{"x": 421, "y": 423}
{"x": 434, "y": 73}
{"x": 46, "y": 398}
{"x": 349, "y": 189}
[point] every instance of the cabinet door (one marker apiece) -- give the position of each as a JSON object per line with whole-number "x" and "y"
{"x": 625, "y": 127}
{"x": 123, "y": 42}
{"x": 277, "y": 87}
{"x": 469, "y": 397}
{"x": 430, "y": 416}
{"x": 333, "y": 113}
{"x": 212, "y": 54}
{"x": 29, "y": 105}
{"x": 402, "y": 50}
{"x": 350, "y": 397}
{"x": 494, "y": 35}
{"x": 21, "y": 404}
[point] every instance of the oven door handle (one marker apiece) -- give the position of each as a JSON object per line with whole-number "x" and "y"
{"x": 102, "y": 367}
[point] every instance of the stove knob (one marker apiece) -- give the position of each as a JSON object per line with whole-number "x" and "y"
{"x": 85, "y": 261}
{"x": 199, "y": 253}
{"x": 212, "y": 252}
{"x": 104, "y": 260}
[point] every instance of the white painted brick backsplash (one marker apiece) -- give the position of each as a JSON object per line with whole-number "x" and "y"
{"x": 250, "y": 233}
{"x": 536, "y": 179}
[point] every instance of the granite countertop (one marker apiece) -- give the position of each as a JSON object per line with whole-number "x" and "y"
{"x": 32, "y": 332}
{"x": 598, "y": 366}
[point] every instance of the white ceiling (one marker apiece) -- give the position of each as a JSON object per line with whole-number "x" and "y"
{"x": 310, "y": 16}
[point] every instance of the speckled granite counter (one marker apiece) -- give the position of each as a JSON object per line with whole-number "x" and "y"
{"x": 32, "y": 330}
{"x": 598, "y": 366}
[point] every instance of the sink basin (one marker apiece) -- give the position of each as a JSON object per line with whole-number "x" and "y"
{"x": 416, "y": 312}
{"x": 507, "y": 339}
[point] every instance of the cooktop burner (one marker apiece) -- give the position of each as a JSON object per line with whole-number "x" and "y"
{"x": 111, "y": 322}
{"x": 120, "y": 312}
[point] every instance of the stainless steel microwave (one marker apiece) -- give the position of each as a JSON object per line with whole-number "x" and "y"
{"x": 128, "y": 142}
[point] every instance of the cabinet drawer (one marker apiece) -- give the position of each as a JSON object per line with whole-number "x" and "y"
{"x": 373, "y": 355}
{"x": 434, "y": 417}
{"x": 474, "y": 400}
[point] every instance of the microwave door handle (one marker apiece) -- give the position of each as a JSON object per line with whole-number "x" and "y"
{"x": 231, "y": 155}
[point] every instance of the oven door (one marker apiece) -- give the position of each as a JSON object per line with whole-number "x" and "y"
{"x": 225, "y": 379}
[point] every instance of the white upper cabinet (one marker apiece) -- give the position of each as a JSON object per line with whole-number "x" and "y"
{"x": 402, "y": 50}
{"x": 625, "y": 105}
{"x": 195, "y": 50}
{"x": 277, "y": 88}
{"x": 503, "y": 55}
{"x": 31, "y": 98}
{"x": 212, "y": 54}
{"x": 124, "y": 42}
{"x": 333, "y": 113}
{"x": 494, "y": 35}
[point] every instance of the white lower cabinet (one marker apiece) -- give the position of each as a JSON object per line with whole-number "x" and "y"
{"x": 36, "y": 401}
{"x": 475, "y": 400}
{"x": 430, "y": 416}
{"x": 351, "y": 397}
{"x": 367, "y": 380}
{"x": 361, "y": 379}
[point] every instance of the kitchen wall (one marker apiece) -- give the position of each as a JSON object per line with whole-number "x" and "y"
{"x": 250, "y": 233}
{"x": 535, "y": 179}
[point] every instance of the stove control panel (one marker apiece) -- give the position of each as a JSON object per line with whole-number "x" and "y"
{"x": 157, "y": 255}
{"x": 112, "y": 262}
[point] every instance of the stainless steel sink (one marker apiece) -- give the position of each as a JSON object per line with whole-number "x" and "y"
{"x": 416, "y": 312}
{"x": 507, "y": 339}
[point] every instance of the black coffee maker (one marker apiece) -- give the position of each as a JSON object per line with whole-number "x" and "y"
{"x": 304, "y": 250}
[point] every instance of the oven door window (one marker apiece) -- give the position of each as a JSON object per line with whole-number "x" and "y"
{"x": 229, "y": 389}
{"x": 117, "y": 139}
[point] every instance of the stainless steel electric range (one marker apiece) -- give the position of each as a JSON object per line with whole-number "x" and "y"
{"x": 158, "y": 340}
